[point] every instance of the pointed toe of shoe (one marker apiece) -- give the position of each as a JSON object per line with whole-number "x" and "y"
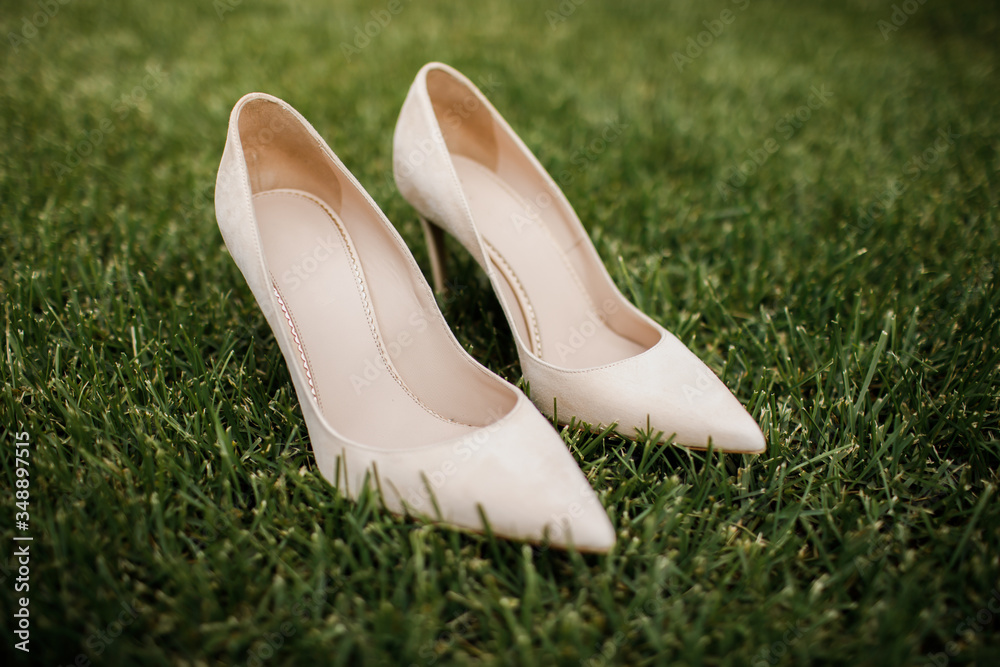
{"x": 517, "y": 473}
{"x": 667, "y": 388}
{"x": 591, "y": 531}
{"x": 741, "y": 435}
{"x": 545, "y": 498}
{"x": 601, "y": 364}
{"x": 694, "y": 405}
{"x": 729, "y": 428}
{"x": 697, "y": 407}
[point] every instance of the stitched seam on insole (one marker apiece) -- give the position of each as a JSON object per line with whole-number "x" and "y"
{"x": 528, "y": 310}
{"x": 298, "y": 343}
{"x": 360, "y": 284}
{"x": 518, "y": 199}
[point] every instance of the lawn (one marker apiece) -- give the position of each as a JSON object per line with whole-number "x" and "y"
{"x": 805, "y": 193}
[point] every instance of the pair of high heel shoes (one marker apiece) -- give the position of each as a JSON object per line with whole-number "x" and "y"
{"x": 389, "y": 396}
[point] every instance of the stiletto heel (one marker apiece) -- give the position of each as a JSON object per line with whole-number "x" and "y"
{"x": 578, "y": 338}
{"x": 438, "y": 254}
{"x": 389, "y": 397}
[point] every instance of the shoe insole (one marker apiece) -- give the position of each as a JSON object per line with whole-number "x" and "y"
{"x": 327, "y": 308}
{"x": 555, "y": 317}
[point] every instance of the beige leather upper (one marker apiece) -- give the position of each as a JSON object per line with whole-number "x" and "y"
{"x": 389, "y": 396}
{"x": 585, "y": 351}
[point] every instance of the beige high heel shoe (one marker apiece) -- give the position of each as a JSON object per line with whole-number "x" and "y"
{"x": 584, "y": 349}
{"x": 389, "y": 396}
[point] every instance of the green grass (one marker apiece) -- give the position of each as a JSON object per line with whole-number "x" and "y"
{"x": 172, "y": 487}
